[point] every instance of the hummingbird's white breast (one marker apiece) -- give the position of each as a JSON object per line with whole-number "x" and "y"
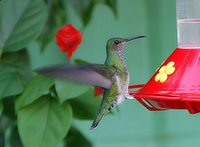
{"x": 122, "y": 89}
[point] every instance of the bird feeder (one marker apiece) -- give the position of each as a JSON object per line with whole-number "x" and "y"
{"x": 176, "y": 83}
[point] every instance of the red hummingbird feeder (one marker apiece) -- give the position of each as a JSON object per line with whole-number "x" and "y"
{"x": 176, "y": 83}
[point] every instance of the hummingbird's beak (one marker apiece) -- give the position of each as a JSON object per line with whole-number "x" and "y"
{"x": 133, "y": 38}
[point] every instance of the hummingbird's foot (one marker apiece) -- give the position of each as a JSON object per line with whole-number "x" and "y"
{"x": 130, "y": 97}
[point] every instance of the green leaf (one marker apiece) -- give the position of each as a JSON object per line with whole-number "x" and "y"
{"x": 87, "y": 13}
{"x": 84, "y": 9}
{"x": 66, "y": 90}
{"x": 80, "y": 61}
{"x": 86, "y": 105}
{"x": 10, "y": 82}
{"x": 20, "y": 22}
{"x": 113, "y": 5}
{"x": 20, "y": 62}
{"x": 38, "y": 86}
{"x": 76, "y": 139}
{"x": 44, "y": 123}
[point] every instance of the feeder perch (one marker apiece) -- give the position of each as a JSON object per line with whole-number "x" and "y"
{"x": 176, "y": 83}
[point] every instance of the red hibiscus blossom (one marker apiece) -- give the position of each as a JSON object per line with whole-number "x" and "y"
{"x": 68, "y": 38}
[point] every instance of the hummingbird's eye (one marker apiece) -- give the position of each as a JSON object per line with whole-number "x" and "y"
{"x": 116, "y": 41}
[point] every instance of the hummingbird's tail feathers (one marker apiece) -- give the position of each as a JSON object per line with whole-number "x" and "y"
{"x": 91, "y": 74}
{"x": 96, "y": 121}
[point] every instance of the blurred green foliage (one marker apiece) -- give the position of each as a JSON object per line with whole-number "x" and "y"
{"x": 37, "y": 111}
{"x": 29, "y": 102}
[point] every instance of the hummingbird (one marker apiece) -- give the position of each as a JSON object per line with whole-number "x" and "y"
{"x": 112, "y": 76}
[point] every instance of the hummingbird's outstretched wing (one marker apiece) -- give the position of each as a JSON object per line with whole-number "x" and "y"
{"x": 92, "y": 74}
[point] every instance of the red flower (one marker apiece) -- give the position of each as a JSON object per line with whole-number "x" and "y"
{"x": 68, "y": 38}
{"x": 98, "y": 91}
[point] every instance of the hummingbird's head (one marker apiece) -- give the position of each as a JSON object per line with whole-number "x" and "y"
{"x": 117, "y": 44}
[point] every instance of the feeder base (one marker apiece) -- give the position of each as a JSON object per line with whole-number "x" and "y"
{"x": 175, "y": 85}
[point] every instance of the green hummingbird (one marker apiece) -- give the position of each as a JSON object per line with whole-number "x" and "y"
{"x": 112, "y": 76}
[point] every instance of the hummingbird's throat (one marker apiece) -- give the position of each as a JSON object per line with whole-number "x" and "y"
{"x": 120, "y": 52}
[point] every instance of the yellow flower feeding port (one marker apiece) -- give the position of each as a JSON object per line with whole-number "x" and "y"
{"x": 164, "y": 72}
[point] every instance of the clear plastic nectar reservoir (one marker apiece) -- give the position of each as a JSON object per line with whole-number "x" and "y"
{"x": 188, "y": 23}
